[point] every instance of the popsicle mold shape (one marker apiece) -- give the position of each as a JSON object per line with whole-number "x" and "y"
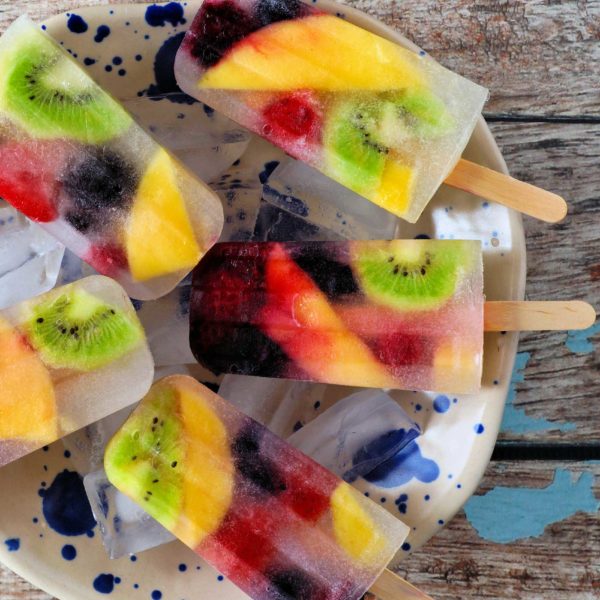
{"x": 404, "y": 314}
{"x": 75, "y": 161}
{"x": 68, "y": 358}
{"x": 265, "y": 515}
{"x": 382, "y": 120}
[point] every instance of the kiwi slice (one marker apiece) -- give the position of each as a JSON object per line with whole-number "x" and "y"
{"x": 145, "y": 459}
{"x": 424, "y": 113}
{"x": 79, "y": 331}
{"x": 353, "y": 155}
{"x": 409, "y": 275}
{"x": 51, "y": 96}
{"x": 359, "y": 134}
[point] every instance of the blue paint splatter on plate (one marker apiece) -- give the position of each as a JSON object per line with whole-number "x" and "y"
{"x": 66, "y": 507}
{"x": 409, "y": 463}
{"x": 160, "y": 15}
{"x": 104, "y": 583}
{"x": 441, "y": 404}
{"x": 102, "y": 33}
{"x": 13, "y": 544}
{"x": 165, "y": 85}
{"x": 76, "y": 24}
{"x": 69, "y": 552}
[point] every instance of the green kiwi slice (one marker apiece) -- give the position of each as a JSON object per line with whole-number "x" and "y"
{"x": 79, "y": 331}
{"x": 359, "y": 134}
{"x": 145, "y": 459}
{"x": 51, "y": 96}
{"x": 352, "y": 155}
{"x": 408, "y": 275}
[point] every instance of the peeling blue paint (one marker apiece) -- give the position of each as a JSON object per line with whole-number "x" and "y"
{"x": 579, "y": 341}
{"x": 529, "y": 510}
{"x": 515, "y": 419}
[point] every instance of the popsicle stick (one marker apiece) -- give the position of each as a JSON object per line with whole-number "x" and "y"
{"x": 390, "y": 586}
{"x": 506, "y": 190}
{"x": 537, "y": 316}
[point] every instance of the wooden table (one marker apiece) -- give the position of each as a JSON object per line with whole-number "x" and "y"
{"x": 533, "y": 530}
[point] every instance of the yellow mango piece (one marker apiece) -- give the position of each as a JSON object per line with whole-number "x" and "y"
{"x": 457, "y": 366}
{"x": 27, "y": 401}
{"x": 395, "y": 188}
{"x": 159, "y": 238}
{"x": 209, "y": 471}
{"x": 319, "y": 52}
{"x": 355, "y": 531}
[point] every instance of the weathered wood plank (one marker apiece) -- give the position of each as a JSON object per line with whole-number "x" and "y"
{"x": 536, "y": 56}
{"x": 563, "y": 263}
{"x": 560, "y": 564}
{"x": 12, "y": 587}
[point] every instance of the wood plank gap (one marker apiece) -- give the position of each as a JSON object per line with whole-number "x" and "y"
{"x": 526, "y": 118}
{"x": 519, "y": 451}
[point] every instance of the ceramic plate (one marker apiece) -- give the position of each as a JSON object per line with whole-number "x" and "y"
{"x": 47, "y": 534}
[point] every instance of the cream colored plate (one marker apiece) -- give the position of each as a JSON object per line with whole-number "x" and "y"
{"x": 120, "y": 44}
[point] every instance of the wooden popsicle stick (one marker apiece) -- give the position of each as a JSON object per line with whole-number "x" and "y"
{"x": 537, "y": 316}
{"x": 504, "y": 189}
{"x": 390, "y": 586}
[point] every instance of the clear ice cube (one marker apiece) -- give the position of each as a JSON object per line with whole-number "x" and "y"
{"x": 30, "y": 258}
{"x": 125, "y": 528}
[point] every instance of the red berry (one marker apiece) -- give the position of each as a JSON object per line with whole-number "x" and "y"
{"x": 30, "y": 177}
{"x": 108, "y": 259}
{"x": 294, "y": 122}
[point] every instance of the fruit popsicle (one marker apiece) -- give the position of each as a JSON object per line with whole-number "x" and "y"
{"x": 75, "y": 161}
{"x": 265, "y": 515}
{"x": 68, "y": 358}
{"x": 386, "y": 122}
{"x": 385, "y": 314}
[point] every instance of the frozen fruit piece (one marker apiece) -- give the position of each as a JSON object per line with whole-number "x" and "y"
{"x": 76, "y": 330}
{"x": 403, "y": 275}
{"x": 159, "y": 236}
{"x": 255, "y": 467}
{"x": 223, "y": 24}
{"x": 271, "y": 11}
{"x": 299, "y": 318}
{"x": 27, "y": 400}
{"x": 294, "y": 121}
{"x": 226, "y": 339}
{"x": 50, "y": 95}
{"x": 275, "y": 58}
{"x": 174, "y": 453}
{"x": 29, "y": 177}
{"x": 208, "y": 468}
{"x": 107, "y": 259}
{"x": 98, "y": 185}
{"x": 354, "y": 530}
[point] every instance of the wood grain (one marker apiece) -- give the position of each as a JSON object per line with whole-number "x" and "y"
{"x": 541, "y": 61}
{"x": 562, "y": 564}
{"x": 515, "y": 48}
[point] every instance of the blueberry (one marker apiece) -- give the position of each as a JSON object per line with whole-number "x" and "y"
{"x": 103, "y": 179}
{"x": 271, "y": 11}
{"x": 221, "y": 25}
{"x": 253, "y": 466}
{"x": 293, "y": 584}
{"x": 333, "y": 278}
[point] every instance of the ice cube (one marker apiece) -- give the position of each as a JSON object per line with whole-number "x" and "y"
{"x": 30, "y": 258}
{"x": 357, "y": 434}
{"x": 205, "y": 141}
{"x": 305, "y": 192}
{"x": 125, "y": 528}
